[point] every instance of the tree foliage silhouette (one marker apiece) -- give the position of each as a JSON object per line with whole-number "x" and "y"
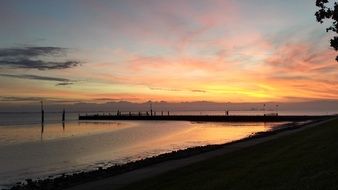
{"x": 326, "y": 12}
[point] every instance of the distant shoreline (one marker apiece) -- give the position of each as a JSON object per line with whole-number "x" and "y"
{"x": 70, "y": 180}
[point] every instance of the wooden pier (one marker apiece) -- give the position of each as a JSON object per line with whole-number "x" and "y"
{"x": 208, "y": 118}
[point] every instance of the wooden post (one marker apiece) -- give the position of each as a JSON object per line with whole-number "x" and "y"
{"x": 63, "y": 115}
{"x": 264, "y": 109}
{"x": 42, "y": 113}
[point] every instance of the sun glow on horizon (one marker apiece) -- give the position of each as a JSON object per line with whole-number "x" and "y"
{"x": 220, "y": 51}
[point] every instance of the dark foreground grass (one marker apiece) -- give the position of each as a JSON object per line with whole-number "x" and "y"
{"x": 304, "y": 160}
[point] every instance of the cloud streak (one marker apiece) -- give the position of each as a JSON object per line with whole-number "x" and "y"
{"x": 36, "y": 99}
{"x": 36, "y": 77}
{"x": 64, "y": 83}
{"x": 36, "y": 58}
{"x": 31, "y": 51}
{"x": 177, "y": 90}
{"x": 19, "y": 99}
{"x": 61, "y": 81}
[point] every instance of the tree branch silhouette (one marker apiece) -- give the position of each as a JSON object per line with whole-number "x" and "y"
{"x": 330, "y": 13}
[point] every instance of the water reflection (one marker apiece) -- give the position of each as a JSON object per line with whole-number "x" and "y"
{"x": 85, "y": 144}
{"x": 49, "y": 131}
{"x": 42, "y": 130}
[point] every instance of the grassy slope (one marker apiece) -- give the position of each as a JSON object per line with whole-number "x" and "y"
{"x": 305, "y": 160}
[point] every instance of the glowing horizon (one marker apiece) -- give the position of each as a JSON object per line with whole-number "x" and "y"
{"x": 218, "y": 50}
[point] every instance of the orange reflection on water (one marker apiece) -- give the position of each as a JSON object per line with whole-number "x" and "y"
{"x": 84, "y": 146}
{"x": 199, "y": 134}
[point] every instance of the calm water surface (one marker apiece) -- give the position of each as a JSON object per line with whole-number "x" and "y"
{"x": 30, "y": 150}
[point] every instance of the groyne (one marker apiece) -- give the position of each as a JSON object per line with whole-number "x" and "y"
{"x": 207, "y": 118}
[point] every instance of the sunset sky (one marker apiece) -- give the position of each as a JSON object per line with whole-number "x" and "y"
{"x": 177, "y": 50}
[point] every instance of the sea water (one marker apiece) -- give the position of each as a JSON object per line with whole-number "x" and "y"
{"x": 29, "y": 149}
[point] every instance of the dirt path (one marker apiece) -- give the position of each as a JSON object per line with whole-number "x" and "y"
{"x": 116, "y": 182}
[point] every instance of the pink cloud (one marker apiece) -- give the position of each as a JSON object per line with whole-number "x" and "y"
{"x": 300, "y": 57}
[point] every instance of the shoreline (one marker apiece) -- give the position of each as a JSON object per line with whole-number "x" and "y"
{"x": 82, "y": 178}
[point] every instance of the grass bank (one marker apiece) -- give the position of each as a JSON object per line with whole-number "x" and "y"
{"x": 304, "y": 160}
